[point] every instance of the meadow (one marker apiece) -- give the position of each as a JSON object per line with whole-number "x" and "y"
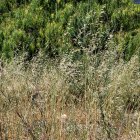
{"x": 73, "y": 100}
{"x": 69, "y": 70}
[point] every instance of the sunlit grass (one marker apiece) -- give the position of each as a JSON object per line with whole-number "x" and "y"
{"x": 43, "y": 101}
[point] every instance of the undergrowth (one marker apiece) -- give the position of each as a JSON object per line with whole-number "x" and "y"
{"x": 94, "y": 98}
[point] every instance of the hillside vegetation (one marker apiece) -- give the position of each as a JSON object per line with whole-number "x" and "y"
{"x": 69, "y": 70}
{"x": 58, "y": 26}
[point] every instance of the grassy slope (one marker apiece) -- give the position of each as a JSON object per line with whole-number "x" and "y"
{"x": 97, "y": 98}
{"x": 90, "y": 96}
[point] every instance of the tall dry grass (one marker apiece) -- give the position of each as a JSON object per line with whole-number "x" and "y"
{"x": 96, "y": 98}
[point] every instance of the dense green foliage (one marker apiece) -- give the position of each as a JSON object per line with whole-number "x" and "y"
{"x": 59, "y": 26}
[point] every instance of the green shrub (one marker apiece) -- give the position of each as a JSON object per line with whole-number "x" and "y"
{"x": 60, "y": 26}
{"x": 131, "y": 46}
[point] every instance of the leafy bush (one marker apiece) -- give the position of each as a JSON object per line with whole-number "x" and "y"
{"x": 131, "y": 46}
{"x": 59, "y": 26}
